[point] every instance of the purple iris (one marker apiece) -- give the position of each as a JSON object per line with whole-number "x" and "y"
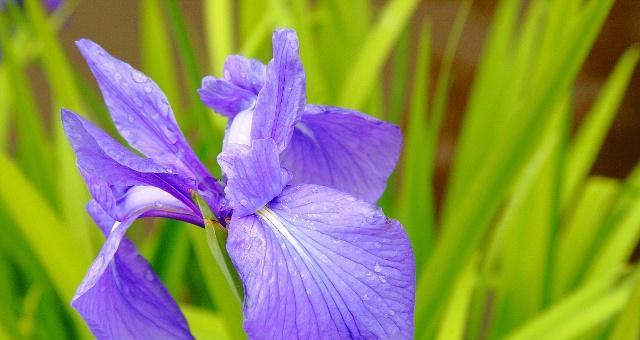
{"x": 317, "y": 259}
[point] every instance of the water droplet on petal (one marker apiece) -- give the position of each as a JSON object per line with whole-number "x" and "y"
{"x": 382, "y": 278}
{"x": 138, "y": 76}
{"x": 243, "y": 202}
{"x": 377, "y": 268}
{"x": 158, "y": 204}
{"x": 130, "y": 118}
{"x": 147, "y": 89}
{"x": 391, "y": 312}
{"x": 149, "y": 275}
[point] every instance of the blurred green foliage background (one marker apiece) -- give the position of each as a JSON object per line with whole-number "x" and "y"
{"x": 520, "y": 241}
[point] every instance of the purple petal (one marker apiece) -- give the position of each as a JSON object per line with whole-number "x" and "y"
{"x": 52, "y": 4}
{"x": 141, "y": 112}
{"x": 125, "y": 298}
{"x": 343, "y": 149}
{"x": 239, "y": 129}
{"x": 281, "y": 101}
{"x": 246, "y": 73}
{"x": 111, "y": 169}
{"x": 318, "y": 264}
{"x": 254, "y": 175}
{"x": 225, "y": 97}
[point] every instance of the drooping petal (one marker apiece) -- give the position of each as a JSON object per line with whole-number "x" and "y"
{"x": 123, "y": 298}
{"x": 135, "y": 203}
{"x": 254, "y": 175}
{"x": 141, "y": 112}
{"x": 343, "y": 149}
{"x": 318, "y": 264}
{"x": 246, "y": 73}
{"x": 225, "y": 97}
{"x": 281, "y": 101}
{"x": 111, "y": 169}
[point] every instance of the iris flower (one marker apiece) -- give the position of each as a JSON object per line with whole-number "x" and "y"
{"x": 316, "y": 257}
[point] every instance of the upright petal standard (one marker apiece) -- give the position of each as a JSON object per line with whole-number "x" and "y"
{"x": 331, "y": 146}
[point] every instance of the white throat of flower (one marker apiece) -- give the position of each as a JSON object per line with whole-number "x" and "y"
{"x": 276, "y": 222}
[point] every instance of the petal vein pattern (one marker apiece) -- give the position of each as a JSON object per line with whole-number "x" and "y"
{"x": 343, "y": 149}
{"x": 125, "y": 298}
{"x": 141, "y": 112}
{"x": 317, "y": 263}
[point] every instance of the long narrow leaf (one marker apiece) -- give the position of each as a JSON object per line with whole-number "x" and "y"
{"x": 367, "y": 66}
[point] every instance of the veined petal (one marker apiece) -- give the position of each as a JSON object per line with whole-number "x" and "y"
{"x": 281, "y": 101}
{"x": 254, "y": 175}
{"x": 246, "y": 73}
{"x": 343, "y": 149}
{"x": 319, "y": 264}
{"x": 111, "y": 169}
{"x": 225, "y": 97}
{"x": 141, "y": 112}
{"x": 122, "y": 297}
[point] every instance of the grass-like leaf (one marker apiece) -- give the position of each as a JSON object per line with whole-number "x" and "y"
{"x": 375, "y": 50}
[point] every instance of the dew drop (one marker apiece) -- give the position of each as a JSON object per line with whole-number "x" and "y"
{"x": 243, "y": 202}
{"x": 138, "y": 76}
{"x": 147, "y": 89}
{"x": 377, "y": 268}
{"x": 391, "y": 312}
{"x": 130, "y": 118}
{"x": 202, "y": 186}
{"x": 158, "y": 204}
{"x": 171, "y": 136}
{"x": 365, "y": 297}
{"x": 308, "y": 291}
{"x": 149, "y": 275}
{"x": 382, "y": 278}
{"x": 164, "y": 107}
